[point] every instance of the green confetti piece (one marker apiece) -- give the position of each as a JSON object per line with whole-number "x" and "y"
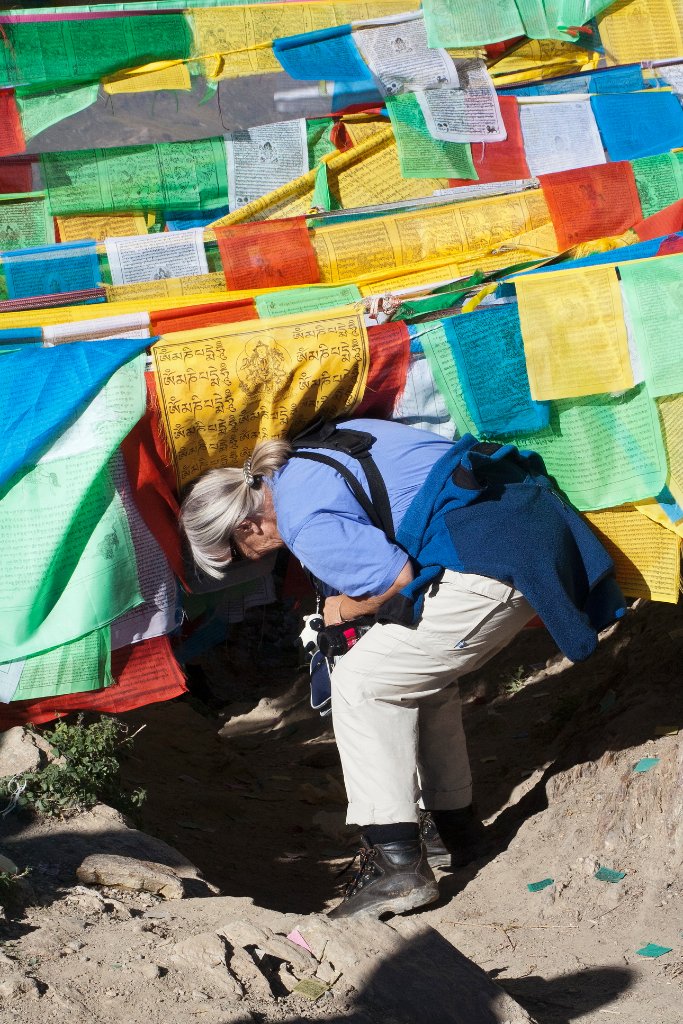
{"x": 537, "y": 886}
{"x": 311, "y": 989}
{"x": 652, "y": 950}
{"x": 645, "y": 764}
{"x": 609, "y": 875}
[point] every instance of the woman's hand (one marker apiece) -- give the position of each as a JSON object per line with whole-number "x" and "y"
{"x": 353, "y": 607}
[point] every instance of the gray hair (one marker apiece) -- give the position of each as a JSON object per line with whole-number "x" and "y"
{"x": 221, "y": 499}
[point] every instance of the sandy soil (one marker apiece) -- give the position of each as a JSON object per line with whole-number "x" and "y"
{"x": 255, "y": 802}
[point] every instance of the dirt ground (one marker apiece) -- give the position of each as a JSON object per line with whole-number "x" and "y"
{"x": 253, "y": 797}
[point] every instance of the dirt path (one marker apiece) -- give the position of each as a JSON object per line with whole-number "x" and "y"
{"x": 258, "y": 807}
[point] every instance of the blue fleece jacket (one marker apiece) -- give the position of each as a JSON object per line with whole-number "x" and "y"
{"x": 492, "y": 510}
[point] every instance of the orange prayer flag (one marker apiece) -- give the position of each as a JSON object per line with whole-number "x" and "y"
{"x": 389, "y": 357}
{"x": 11, "y": 133}
{"x": 591, "y": 202}
{"x": 166, "y": 321}
{"x": 145, "y": 673}
{"x": 267, "y": 254}
{"x": 500, "y": 161}
{"x": 667, "y": 222}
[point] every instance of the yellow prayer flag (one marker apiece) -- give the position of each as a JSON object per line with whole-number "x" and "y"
{"x": 196, "y": 284}
{"x": 646, "y": 557}
{"x": 244, "y": 34}
{"x": 100, "y": 226}
{"x": 173, "y": 75}
{"x": 541, "y": 58}
{"x": 223, "y": 388}
{"x": 451, "y": 233}
{"x": 635, "y": 30}
{"x": 654, "y": 511}
{"x": 574, "y": 333}
{"x": 671, "y": 416}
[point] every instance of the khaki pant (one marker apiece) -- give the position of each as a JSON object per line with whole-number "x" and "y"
{"x": 396, "y": 704}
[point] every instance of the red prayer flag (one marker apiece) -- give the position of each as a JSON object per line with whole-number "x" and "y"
{"x": 389, "y": 357}
{"x": 166, "y": 321}
{"x": 500, "y": 161}
{"x": 591, "y": 202}
{"x": 11, "y": 133}
{"x": 267, "y": 254}
{"x": 667, "y": 222}
{"x": 15, "y": 176}
{"x": 152, "y": 480}
{"x": 672, "y": 244}
{"x": 145, "y": 673}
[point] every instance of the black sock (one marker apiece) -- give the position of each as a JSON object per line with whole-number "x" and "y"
{"x": 399, "y": 832}
{"x": 457, "y": 826}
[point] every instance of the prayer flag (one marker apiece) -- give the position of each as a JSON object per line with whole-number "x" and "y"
{"x": 638, "y": 124}
{"x": 500, "y": 161}
{"x": 267, "y": 255}
{"x": 489, "y": 353}
{"x": 574, "y": 333}
{"x": 11, "y": 134}
{"x": 591, "y": 202}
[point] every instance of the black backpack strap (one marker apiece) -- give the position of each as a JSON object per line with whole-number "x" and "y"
{"x": 357, "y": 444}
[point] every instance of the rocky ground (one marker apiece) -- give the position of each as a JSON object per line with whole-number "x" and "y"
{"x": 243, "y": 835}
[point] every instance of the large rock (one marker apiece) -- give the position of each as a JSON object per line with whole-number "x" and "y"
{"x": 19, "y": 752}
{"x": 129, "y": 873}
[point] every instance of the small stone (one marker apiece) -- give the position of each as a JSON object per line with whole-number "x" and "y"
{"x": 74, "y": 945}
{"x": 18, "y": 985}
{"x": 198, "y": 995}
{"x": 130, "y": 873}
{"x": 8, "y": 866}
{"x": 149, "y": 971}
{"x": 327, "y": 973}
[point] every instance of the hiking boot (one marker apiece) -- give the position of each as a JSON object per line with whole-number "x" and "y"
{"x": 391, "y": 877}
{"x": 437, "y": 854}
{"x": 456, "y": 844}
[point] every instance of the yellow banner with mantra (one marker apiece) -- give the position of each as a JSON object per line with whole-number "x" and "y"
{"x": 224, "y": 388}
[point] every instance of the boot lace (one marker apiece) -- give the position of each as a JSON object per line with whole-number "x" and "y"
{"x": 366, "y": 858}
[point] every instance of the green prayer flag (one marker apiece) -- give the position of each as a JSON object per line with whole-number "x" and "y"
{"x": 603, "y": 451}
{"x": 40, "y": 110}
{"x": 88, "y": 50}
{"x": 165, "y": 175}
{"x": 659, "y": 180}
{"x": 322, "y": 197}
{"x": 305, "y": 300}
{"x": 442, "y": 364}
{"x": 69, "y": 564}
{"x": 25, "y": 221}
{"x": 318, "y": 135}
{"x": 77, "y": 667}
{"x": 471, "y": 22}
{"x": 653, "y": 290}
{"x": 539, "y": 18}
{"x": 419, "y": 154}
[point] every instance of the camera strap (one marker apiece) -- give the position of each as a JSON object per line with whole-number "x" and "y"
{"x": 357, "y": 444}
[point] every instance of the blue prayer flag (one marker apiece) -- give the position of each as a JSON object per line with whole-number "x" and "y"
{"x": 43, "y": 390}
{"x": 639, "y": 124}
{"x": 329, "y": 53}
{"x": 51, "y": 269}
{"x": 489, "y": 354}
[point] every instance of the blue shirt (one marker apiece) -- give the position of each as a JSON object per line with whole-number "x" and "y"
{"x": 321, "y": 522}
